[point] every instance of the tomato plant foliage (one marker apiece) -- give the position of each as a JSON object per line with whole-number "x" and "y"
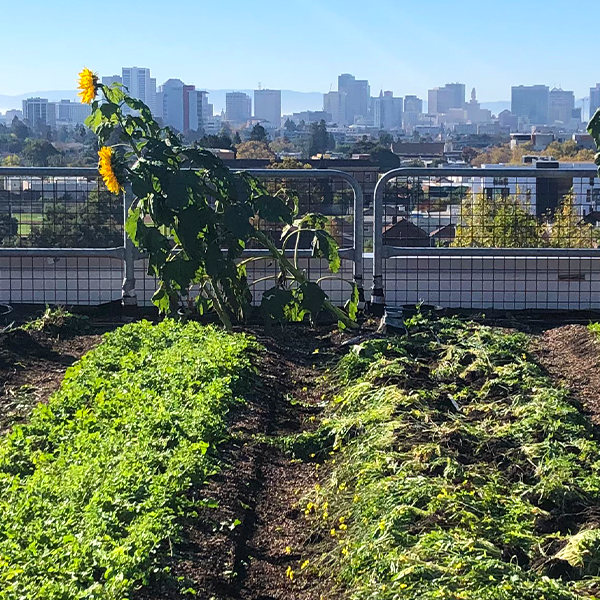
{"x": 194, "y": 217}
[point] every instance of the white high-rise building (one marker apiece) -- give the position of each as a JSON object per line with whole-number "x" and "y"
{"x": 140, "y": 85}
{"x": 238, "y": 107}
{"x": 35, "y": 111}
{"x": 267, "y": 106}
{"x": 182, "y": 106}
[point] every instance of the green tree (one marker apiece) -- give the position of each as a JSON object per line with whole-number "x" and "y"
{"x": 497, "y": 222}
{"x": 566, "y": 229}
{"x": 319, "y": 141}
{"x": 255, "y": 150}
{"x": 20, "y": 129}
{"x": 258, "y": 134}
{"x": 290, "y": 126}
{"x": 9, "y": 226}
{"x": 37, "y": 152}
{"x": 12, "y": 160}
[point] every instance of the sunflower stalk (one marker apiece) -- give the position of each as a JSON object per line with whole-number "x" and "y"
{"x": 185, "y": 198}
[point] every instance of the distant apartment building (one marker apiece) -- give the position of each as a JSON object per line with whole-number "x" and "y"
{"x": 183, "y": 107}
{"x": 594, "y": 99}
{"x": 35, "y": 112}
{"x": 334, "y": 103}
{"x": 311, "y": 116}
{"x": 110, "y": 79}
{"x": 476, "y": 114}
{"x": 358, "y": 94}
{"x": 441, "y": 100}
{"x": 140, "y": 85}
{"x": 238, "y": 107}
{"x": 267, "y": 106}
{"x": 387, "y": 111}
{"x": 67, "y": 113}
{"x": 413, "y": 109}
{"x": 9, "y": 115}
{"x": 561, "y": 105}
{"x": 531, "y": 103}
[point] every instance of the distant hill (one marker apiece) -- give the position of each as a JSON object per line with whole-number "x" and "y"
{"x": 291, "y": 101}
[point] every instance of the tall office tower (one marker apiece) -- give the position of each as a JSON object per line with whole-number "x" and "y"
{"x": 358, "y": 94}
{"x": 267, "y": 106}
{"x": 238, "y": 107}
{"x": 334, "y": 103}
{"x": 387, "y": 111}
{"x": 140, "y": 85}
{"x": 441, "y": 100}
{"x": 561, "y": 105}
{"x": 36, "y": 112}
{"x": 530, "y": 103}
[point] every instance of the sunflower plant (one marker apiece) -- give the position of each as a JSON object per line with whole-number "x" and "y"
{"x": 194, "y": 217}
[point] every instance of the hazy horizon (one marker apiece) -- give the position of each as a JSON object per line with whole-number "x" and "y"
{"x": 407, "y": 49}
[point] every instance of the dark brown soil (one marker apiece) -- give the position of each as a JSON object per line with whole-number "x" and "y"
{"x": 32, "y": 365}
{"x": 571, "y": 355}
{"x": 242, "y": 549}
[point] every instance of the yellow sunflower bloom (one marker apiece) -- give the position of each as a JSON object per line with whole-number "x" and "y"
{"x": 105, "y": 166}
{"x": 88, "y": 84}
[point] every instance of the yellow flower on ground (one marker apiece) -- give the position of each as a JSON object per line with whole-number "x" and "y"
{"x": 290, "y": 574}
{"x": 88, "y": 84}
{"x": 304, "y": 564}
{"x": 105, "y": 166}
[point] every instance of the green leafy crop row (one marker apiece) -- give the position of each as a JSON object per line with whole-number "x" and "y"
{"x": 457, "y": 470}
{"x": 93, "y": 488}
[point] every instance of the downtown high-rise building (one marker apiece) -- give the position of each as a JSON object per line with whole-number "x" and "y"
{"x": 334, "y": 104}
{"x": 36, "y": 112}
{"x": 387, "y": 111}
{"x": 358, "y": 96}
{"x": 140, "y": 85}
{"x": 267, "y": 106}
{"x": 183, "y": 107}
{"x": 530, "y": 103}
{"x": 594, "y": 99}
{"x": 561, "y": 105}
{"x": 238, "y": 107}
{"x": 441, "y": 100}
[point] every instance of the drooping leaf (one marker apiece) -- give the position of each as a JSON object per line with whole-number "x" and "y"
{"x": 351, "y": 305}
{"x": 237, "y": 220}
{"x": 325, "y": 246}
{"x": 274, "y": 302}
{"x": 313, "y": 298}
{"x": 273, "y": 209}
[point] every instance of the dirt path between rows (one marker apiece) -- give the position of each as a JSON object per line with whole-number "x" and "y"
{"x": 32, "y": 366}
{"x": 241, "y": 550}
{"x": 571, "y": 354}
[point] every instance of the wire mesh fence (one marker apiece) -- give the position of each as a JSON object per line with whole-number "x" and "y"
{"x": 63, "y": 239}
{"x": 509, "y": 238}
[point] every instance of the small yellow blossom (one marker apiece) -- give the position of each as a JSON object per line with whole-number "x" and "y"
{"x": 345, "y": 550}
{"x": 88, "y": 84}
{"x": 105, "y": 166}
{"x": 288, "y": 550}
{"x": 333, "y": 532}
{"x": 343, "y": 526}
{"x": 342, "y": 519}
{"x": 290, "y": 574}
{"x": 304, "y": 565}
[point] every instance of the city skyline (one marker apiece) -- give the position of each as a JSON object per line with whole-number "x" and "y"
{"x": 408, "y": 52}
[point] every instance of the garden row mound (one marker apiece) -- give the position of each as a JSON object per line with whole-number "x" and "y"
{"x": 93, "y": 488}
{"x": 455, "y": 468}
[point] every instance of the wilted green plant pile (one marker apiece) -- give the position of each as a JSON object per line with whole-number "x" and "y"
{"x": 457, "y": 469}
{"x": 93, "y": 489}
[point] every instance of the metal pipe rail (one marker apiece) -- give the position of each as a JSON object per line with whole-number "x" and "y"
{"x": 128, "y": 254}
{"x": 381, "y": 251}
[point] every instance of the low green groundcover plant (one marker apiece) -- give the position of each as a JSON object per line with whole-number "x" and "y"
{"x": 457, "y": 470}
{"x": 94, "y": 487}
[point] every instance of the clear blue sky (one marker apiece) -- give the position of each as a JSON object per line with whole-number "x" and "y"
{"x": 406, "y": 46}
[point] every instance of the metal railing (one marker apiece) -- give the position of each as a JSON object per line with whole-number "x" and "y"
{"x": 54, "y": 204}
{"x": 430, "y": 225}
